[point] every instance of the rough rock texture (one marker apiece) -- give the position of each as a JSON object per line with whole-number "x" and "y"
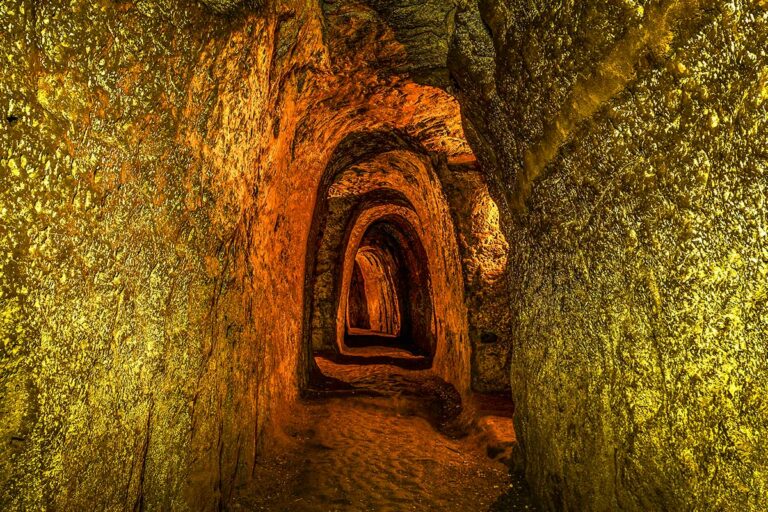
{"x": 163, "y": 163}
{"x": 422, "y": 29}
{"x": 127, "y": 375}
{"x": 225, "y": 6}
{"x": 484, "y": 261}
{"x": 627, "y": 145}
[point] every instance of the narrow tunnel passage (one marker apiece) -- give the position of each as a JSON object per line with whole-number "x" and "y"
{"x": 348, "y": 255}
{"x": 358, "y": 316}
{"x": 378, "y": 296}
{"x": 388, "y": 417}
{"x": 382, "y": 429}
{"x": 396, "y": 288}
{"x": 375, "y": 289}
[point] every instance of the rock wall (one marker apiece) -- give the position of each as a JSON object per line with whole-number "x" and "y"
{"x": 626, "y": 142}
{"x": 142, "y": 250}
{"x": 486, "y": 274}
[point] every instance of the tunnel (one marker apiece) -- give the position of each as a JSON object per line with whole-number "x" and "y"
{"x": 376, "y": 285}
{"x": 389, "y": 290}
{"x": 358, "y": 314}
{"x": 374, "y": 255}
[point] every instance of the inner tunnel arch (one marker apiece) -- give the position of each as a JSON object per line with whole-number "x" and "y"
{"x": 375, "y": 299}
{"x": 379, "y": 169}
{"x": 399, "y": 227}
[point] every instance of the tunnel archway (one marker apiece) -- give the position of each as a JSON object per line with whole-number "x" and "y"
{"x": 395, "y": 230}
{"x": 374, "y": 297}
{"x": 358, "y": 314}
{"x": 370, "y": 176}
{"x": 401, "y": 293}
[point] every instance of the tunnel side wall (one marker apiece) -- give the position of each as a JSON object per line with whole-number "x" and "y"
{"x": 627, "y": 144}
{"x": 132, "y": 363}
{"x": 484, "y": 250}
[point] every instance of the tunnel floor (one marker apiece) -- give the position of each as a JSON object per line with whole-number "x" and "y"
{"x": 383, "y": 437}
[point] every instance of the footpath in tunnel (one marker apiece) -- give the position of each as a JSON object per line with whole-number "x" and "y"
{"x": 390, "y": 437}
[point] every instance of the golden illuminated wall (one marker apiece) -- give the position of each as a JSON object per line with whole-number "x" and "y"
{"x": 127, "y": 375}
{"x": 629, "y": 143}
{"x": 484, "y": 251}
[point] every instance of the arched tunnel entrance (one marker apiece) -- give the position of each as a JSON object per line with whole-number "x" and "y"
{"x": 375, "y": 295}
{"x": 389, "y": 301}
{"x": 379, "y": 260}
{"x": 406, "y": 253}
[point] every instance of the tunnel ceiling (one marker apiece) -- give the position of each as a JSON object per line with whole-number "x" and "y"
{"x": 422, "y": 30}
{"x": 225, "y": 6}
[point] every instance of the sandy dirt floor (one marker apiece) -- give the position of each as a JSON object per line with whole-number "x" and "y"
{"x": 383, "y": 438}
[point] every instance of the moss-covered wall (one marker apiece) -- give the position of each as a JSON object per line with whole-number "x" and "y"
{"x": 628, "y": 146}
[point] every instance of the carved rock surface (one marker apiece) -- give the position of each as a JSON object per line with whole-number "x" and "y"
{"x": 160, "y": 166}
{"x": 626, "y": 141}
{"x": 223, "y": 6}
